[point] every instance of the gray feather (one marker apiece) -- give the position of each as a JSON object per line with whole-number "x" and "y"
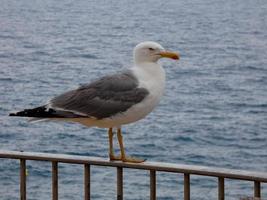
{"x": 104, "y": 97}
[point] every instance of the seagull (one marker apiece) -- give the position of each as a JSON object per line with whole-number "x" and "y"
{"x": 113, "y": 100}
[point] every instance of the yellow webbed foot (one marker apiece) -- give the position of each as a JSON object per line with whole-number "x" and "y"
{"x": 114, "y": 158}
{"x": 132, "y": 159}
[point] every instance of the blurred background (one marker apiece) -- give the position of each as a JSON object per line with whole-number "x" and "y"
{"x": 214, "y": 111}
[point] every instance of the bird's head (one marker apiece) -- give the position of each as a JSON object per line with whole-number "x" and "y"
{"x": 152, "y": 52}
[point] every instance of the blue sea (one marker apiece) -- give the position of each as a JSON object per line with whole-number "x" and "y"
{"x": 214, "y": 110}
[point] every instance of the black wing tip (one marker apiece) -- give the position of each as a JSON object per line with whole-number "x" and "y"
{"x": 19, "y": 114}
{"x": 43, "y": 112}
{"x": 29, "y": 112}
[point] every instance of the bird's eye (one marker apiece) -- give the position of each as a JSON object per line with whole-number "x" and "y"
{"x": 151, "y": 49}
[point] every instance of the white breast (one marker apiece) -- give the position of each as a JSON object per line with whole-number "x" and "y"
{"x": 151, "y": 77}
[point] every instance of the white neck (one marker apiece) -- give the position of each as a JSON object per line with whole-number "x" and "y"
{"x": 151, "y": 75}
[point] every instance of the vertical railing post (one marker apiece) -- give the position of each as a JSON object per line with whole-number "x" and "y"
{"x": 221, "y": 188}
{"x": 87, "y": 182}
{"x": 257, "y": 189}
{"x": 54, "y": 180}
{"x": 119, "y": 183}
{"x": 186, "y": 186}
{"x": 153, "y": 185}
{"x": 22, "y": 179}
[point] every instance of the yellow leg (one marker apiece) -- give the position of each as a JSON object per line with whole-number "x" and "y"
{"x": 111, "y": 151}
{"x": 124, "y": 158}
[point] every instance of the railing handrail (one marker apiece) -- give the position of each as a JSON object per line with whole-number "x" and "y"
{"x": 157, "y": 166}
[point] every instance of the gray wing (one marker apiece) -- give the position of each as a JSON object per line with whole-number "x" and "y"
{"x": 104, "y": 97}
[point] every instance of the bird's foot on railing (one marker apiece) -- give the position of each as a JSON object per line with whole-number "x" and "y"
{"x": 126, "y": 159}
{"x": 133, "y": 159}
{"x": 114, "y": 158}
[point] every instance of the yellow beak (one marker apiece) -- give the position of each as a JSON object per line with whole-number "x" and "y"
{"x": 168, "y": 54}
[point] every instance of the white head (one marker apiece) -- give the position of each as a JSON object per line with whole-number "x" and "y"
{"x": 151, "y": 52}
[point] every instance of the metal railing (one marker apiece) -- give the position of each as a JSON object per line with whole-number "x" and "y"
{"x": 220, "y": 173}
